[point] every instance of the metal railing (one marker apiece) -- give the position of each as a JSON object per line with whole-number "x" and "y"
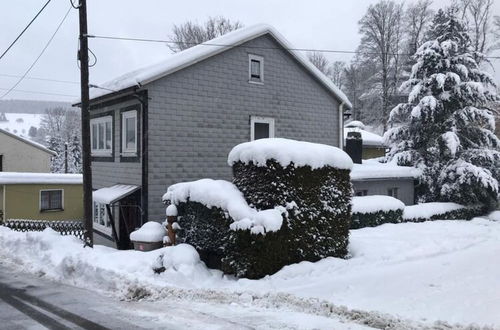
{"x": 64, "y": 227}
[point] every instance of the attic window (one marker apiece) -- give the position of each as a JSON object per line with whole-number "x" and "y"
{"x": 255, "y": 69}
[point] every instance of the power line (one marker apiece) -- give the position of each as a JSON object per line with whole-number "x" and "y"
{"x": 24, "y": 30}
{"x": 36, "y": 92}
{"x": 40, "y": 78}
{"x": 39, "y": 55}
{"x": 252, "y": 47}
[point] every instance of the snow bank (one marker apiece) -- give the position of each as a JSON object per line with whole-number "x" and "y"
{"x": 375, "y": 203}
{"x": 151, "y": 231}
{"x": 39, "y": 178}
{"x": 371, "y": 169}
{"x": 453, "y": 260}
{"x": 225, "y": 195}
{"x": 286, "y": 151}
{"x": 428, "y": 210}
{"x": 494, "y": 216}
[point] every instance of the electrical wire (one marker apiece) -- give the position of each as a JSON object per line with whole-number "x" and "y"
{"x": 40, "y": 78}
{"x": 24, "y": 30}
{"x": 252, "y": 47}
{"x": 37, "y": 92}
{"x": 39, "y": 55}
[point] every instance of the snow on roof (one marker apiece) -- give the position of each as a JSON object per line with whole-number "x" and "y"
{"x": 369, "y": 138}
{"x": 33, "y": 143}
{"x": 198, "y": 53}
{"x": 286, "y": 151}
{"x": 372, "y": 169}
{"x": 355, "y": 123}
{"x": 112, "y": 194}
{"x": 375, "y": 203}
{"x": 39, "y": 178}
{"x": 225, "y": 195}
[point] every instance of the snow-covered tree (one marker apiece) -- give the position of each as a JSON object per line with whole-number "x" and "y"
{"x": 446, "y": 127}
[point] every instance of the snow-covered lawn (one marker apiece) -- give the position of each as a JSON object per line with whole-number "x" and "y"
{"x": 413, "y": 273}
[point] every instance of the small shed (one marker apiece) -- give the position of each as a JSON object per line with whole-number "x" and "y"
{"x": 375, "y": 178}
{"x": 41, "y": 196}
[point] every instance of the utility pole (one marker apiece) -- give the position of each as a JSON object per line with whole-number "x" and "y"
{"x": 65, "y": 157}
{"x": 83, "y": 56}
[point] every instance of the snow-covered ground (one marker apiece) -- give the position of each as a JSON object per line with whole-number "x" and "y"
{"x": 20, "y": 123}
{"x": 406, "y": 275}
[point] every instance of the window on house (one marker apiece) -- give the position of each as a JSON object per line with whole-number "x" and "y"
{"x": 255, "y": 68}
{"x": 101, "y": 136}
{"x": 100, "y": 217}
{"x": 361, "y": 193}
{"x": 261, "y": 128}
{"x": 51, "y": 200}
{"x": 129, "y": 132}
{"x": 392, "y": 192}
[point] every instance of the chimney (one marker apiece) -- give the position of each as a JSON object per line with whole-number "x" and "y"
{"x": 354, "y": 146}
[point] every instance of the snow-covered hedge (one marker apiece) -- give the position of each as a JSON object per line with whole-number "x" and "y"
{"x": 440, "y": 211}
{"x": 289, "y": 202}
{"x": 371, "y": 211}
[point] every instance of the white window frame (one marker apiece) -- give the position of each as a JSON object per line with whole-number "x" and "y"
{"x": 40, "y": 200}
{"x": 125, "y": 116}
{"x": 263, "y": 120}
{"x": 96, "y": 151}
{"x": 97, "y": 225}
{"x": 261, "y": 61}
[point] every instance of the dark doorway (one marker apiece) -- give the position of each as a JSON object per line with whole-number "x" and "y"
{"x": 130, "y": 219}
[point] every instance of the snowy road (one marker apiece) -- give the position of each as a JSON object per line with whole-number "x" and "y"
{"x": 30, "y": 302}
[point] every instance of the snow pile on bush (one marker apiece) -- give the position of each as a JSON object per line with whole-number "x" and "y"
{"x": 494, "y": 216}
{"x": 376, "y": 203}
{"x": 224, "y": 195}
{"x": 370, "y": 211}
{"x": 285, "y": 152}
{"x": 429, "y": 210}
{"x": 151, "y": 231}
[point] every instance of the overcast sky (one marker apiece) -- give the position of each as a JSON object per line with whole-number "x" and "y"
{"x": 325, "y": 24}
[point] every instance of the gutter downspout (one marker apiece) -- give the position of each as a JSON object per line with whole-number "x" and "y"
{"x": 341, "y": 125}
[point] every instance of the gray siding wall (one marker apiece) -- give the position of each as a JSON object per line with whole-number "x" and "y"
{"x": 198, "y": 114}
{"x": 380, "y": 187}
{"x": 104, "y": 173}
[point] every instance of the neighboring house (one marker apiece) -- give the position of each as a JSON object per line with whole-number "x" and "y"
{"x": 41, "y": 196}
{"x": 177, "y": 120}
{"x": 18, "y": 154}
{"x": 374, "y": 178}
{"x": 373, "y": 145}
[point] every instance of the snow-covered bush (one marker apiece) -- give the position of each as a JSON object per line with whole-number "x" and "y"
{"x": 441, "y": 211}
{"x": 289, "y": 202}
{"x": 446, "y": 128}
{"x": 371, "y": 211}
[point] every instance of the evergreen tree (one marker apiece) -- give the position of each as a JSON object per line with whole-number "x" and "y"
{"x": 56, "y": 144}
{"x": 75, "y": 155}
{"x": 446, "y": 127}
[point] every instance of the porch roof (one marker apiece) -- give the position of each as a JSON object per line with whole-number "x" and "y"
{"x": 109, "y": 195}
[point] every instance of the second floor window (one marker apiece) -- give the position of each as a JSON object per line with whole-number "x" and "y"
{"x": 255, "y": 69}
{"x": 101, "y": 131}
{"x": 129, "y": 132}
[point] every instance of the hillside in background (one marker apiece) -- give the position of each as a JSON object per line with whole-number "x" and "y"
{"x": 29, "y": 106}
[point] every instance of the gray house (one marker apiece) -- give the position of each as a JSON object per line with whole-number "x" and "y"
{"x": 177, "y": 120}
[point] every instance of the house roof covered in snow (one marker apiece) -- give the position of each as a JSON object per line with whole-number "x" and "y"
{"x": 39, "y": 178}
{"x": 372, "y": 170}
{"x": 369, "y": 139}
{"x": 112, "y": 194}
{"x": 213, "y": 47}
{"x": 32, "y": 143}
